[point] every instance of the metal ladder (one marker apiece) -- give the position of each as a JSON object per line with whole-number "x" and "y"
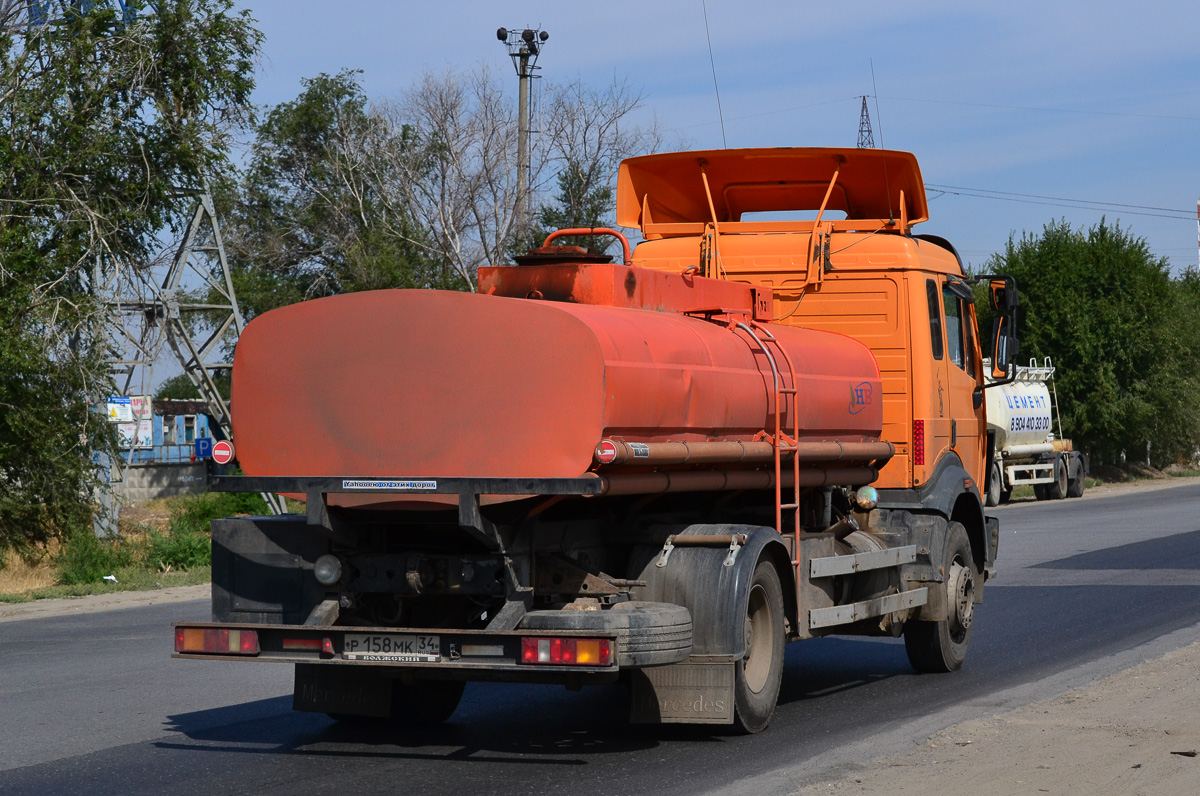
{"x": 781, "y": 442}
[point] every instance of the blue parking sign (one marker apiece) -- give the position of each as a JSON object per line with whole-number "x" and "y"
{"x": 203, "y": 447}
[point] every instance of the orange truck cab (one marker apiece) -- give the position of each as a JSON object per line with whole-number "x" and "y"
{"x": 763, "y": 425}
{"x": 854, "y": 267}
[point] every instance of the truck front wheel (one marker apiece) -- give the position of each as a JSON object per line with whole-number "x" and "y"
{"x": 758, "y": 674}
{"x": 994, "y": 486}
{"x": 941, "y": 646}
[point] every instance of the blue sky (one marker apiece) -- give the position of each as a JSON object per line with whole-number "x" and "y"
{"x": 1095, "y": 101}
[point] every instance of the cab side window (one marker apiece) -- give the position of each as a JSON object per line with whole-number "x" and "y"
{"x": 968, "y": 337}
{"x": 935, "y": 318}
{"x": 954, "y": 326}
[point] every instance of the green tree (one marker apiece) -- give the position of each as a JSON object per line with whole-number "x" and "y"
{"x": 180, "y": 387}
{"x": 579, "y": 203}
{"x": 311, "y": 216}
{"x": 1120, "y": 331}
{"x": 107, "y": 115}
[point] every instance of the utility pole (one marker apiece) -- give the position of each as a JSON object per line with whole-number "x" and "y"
{"x": 524, "y": 46}
{"x": 866, "y": 140}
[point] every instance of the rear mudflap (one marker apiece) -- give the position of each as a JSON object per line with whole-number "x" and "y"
{"x": 696, "y": 691}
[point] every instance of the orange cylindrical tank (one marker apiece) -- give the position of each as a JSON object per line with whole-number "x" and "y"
{"x": 414, "y": 383}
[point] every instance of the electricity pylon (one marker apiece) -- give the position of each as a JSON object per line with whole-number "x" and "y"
{"x": 865, "y": 138}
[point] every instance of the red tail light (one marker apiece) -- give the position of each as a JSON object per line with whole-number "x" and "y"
{"x": 918, "y": 442}
{"x": 567, "y": 651}
{"x": 218, "y": 641}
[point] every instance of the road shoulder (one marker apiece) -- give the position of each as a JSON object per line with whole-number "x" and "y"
{"x": 1136, "y": 731}
{"x": 64, "y": 606}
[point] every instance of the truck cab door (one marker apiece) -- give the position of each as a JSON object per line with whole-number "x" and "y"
{"x": 931, "y": 394}
{"x": 968, "y": 423}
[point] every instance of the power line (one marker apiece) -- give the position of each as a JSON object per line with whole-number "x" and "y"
{"x": 767, "y": 113}
{"x": 1049, "y": 110}
{"x": 1058, "y": 201}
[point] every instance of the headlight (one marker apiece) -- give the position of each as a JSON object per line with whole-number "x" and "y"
{"x": 327, "y": 570}
{"x": 866, "y": 498}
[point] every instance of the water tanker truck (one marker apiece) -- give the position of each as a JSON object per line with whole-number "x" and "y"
{"x": 1024, "y": 449}
{"x": 764, "y": 424}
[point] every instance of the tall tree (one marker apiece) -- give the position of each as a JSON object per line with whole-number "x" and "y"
{"x": 107, "y": 116}
{"x": 312, "y": 215}
{"x": 590, "y": 134}
{"x": 460, "y": 162}
{"x": 1120, "y": 331}
{"x": 458, "y": 171}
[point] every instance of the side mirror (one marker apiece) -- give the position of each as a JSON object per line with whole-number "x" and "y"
{"x": 1004, "y": 346}
{"x": 1002, "y": 295}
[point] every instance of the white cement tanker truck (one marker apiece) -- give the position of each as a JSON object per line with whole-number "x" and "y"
{"x": 1022, "y": 416}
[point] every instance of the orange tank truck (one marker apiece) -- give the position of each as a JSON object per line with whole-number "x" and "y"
{"x": 764, "y": 424}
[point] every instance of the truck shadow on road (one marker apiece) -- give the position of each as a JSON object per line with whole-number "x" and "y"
{"x": 524, "y": 724}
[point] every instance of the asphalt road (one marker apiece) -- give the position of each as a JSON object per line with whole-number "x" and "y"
{"x": 94, "y": 704}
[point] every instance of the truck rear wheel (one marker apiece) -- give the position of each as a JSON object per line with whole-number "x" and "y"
{"x": 941, "y": 646}
{"x": 993, "y": 486}
{"x": 1075, "y": 485}
{"x": 425, "y": 703}
{"x": 757, "y": 676}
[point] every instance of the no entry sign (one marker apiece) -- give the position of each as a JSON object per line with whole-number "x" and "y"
{"x": 222, "y": 452}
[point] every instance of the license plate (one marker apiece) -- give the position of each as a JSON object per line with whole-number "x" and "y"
{"x": 391, "y": 647}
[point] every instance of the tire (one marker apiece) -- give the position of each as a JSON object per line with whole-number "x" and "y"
{"x": 1075, "y": 485}
{"x": 1058, "y": 489}
{"x": 425, "y": 703}
{"x": 992, "y": 498}
{"x": 941, "y": 646}
{"x": 648, "y": 633}
{"x": 757, "y": 676}
{"x": 1005, "y": 495}
{"x": 1039, "y": 491}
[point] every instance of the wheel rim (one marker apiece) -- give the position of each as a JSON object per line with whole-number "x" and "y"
{"x": 756, "y": 665}
{"x": 961, "y": 587}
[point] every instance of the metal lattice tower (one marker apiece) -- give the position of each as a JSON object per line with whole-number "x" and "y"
{"x": 866, "y": 140}
{"x": 149, "y": 310}
{"x": 191, "y": 309}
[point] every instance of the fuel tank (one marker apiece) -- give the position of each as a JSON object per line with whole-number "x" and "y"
{"x": 420, "y": 383}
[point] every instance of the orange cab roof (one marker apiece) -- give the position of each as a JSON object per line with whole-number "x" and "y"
{"x": 667, "y": 190}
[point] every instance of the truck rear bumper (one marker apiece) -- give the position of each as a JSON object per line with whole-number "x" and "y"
{"x": 518, "y": 655}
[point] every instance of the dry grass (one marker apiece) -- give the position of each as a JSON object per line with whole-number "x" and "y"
{"x": 19, "y": 576}
{"x": 135, "y": 517}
